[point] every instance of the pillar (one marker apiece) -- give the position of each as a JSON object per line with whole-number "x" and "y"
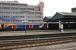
{"x": 47, "y": 25}
{"x": 61, "y": 26}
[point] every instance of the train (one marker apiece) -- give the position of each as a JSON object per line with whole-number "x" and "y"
{"x": 17, "y": 27}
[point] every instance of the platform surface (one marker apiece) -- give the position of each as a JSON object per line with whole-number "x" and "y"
{"x": 33, "y": 32}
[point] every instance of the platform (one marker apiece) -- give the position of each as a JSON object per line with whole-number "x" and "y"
{"x": 33, "y": 32}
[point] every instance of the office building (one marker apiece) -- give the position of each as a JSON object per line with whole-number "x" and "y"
{"x": 15, "y": 13}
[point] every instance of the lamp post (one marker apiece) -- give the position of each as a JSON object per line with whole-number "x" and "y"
{"x": 25, "y": 21}
{"x": 25, "y": 24}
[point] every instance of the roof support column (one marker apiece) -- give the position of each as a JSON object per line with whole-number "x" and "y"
{"x": 47, "y": 25}
{"x": 61, "y": 26}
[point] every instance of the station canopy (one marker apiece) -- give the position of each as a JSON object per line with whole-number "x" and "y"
{"x": 64, "y": 17}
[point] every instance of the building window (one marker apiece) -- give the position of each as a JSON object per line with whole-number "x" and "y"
{"x": 37, "y": 9}
{"x": 13, "y": 8}
{"x": 4, "y": 7}
{"x": 30, "y": 8}
{"x": 23, "y": 4}
{"x": 14, "y": 4}
{"x": 5, "y": 3}
{"x": 38, "y": 16}
{"x": 23, "y": 8}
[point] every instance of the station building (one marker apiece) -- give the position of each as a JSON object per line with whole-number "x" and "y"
{"x": 68, "y": 19}
{"x": 15, "y": 15}
{"x": 73, "y": 9}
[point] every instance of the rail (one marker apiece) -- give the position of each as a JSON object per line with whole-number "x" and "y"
{"x": 37, "y": 40}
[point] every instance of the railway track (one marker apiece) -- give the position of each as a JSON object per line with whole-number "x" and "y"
{"x": 35, "y": 40}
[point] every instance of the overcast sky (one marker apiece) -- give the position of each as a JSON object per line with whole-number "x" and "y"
{"x": 53, "y": 6}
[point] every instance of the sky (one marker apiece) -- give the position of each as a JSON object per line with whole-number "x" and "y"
{"x": 53, "y": 6}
